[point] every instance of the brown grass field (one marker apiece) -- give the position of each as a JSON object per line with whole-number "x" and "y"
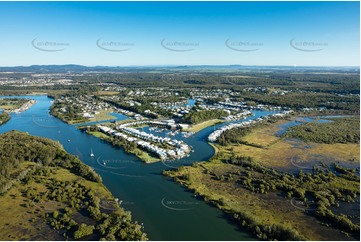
{"x": 279, "y": 152}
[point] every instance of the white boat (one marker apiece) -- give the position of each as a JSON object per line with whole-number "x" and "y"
{"x": 91, "y": 153}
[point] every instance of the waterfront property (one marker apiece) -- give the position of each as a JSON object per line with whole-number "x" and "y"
{"x": 176, "y": 149}
{"x": 217, "y": 133}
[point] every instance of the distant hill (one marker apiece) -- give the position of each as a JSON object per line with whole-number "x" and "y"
{"x": 46, "y": 68}
{"x": 81, "y": 68}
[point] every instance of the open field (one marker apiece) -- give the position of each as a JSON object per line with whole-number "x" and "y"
{"x": 103, "y": 115}
{"x": 72, "y": 121}
{"x": 265, "y": 136}
{"x": 197, "y": 127}
{"x": 106, "y": 93}
{"x": 279, "y": 152}
{"x": 8, "y": 106}
{"x": 43, "y": 93}
{"x": 99, "y": 135}
{"x": 144, "y": 156}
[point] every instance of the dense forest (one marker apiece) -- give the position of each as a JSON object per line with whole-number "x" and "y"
{"x": 340, "y": 130}
{"x": 47, "y": 174}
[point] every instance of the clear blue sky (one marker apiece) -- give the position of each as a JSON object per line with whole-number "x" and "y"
{"x": 201, "y": 28}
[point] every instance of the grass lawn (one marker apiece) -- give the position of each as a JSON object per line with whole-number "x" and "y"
{"x": 205, "y": 124}
{"x": 103, "y": 115}
{"x": 265, "y": 136}
{"x": 144, "y": 156}
{"x": 106, "y": 93}
{"x": 99, "y": 135}
{"x": 8, "y": 107}
{"x": 37, "y": 93}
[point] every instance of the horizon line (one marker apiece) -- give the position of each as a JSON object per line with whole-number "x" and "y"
{"x": 177, "y": 65}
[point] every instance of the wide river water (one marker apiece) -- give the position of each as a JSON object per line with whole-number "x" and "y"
{"x": 167, "y": 210}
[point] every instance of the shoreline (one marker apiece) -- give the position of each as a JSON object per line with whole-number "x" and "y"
{"x": 215, "y": 148}
{"x": 142, "y": 156}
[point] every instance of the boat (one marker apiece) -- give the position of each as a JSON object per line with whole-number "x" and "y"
{"x": 91, "y": 153}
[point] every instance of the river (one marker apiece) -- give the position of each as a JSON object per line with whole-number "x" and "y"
{"x": 167, "y": 210}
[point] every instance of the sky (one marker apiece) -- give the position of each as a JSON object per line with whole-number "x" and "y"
{"x": 180, "y": 33}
